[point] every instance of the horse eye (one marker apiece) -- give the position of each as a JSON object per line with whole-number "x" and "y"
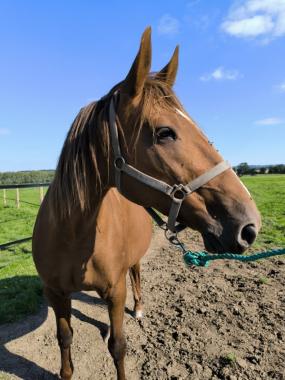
{"x": 164, "y": 134}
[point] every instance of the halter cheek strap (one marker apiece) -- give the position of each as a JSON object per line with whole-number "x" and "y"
{"x": 176, "y": 192}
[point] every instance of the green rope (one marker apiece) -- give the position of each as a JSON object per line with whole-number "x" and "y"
{"x": 202, "y": 259}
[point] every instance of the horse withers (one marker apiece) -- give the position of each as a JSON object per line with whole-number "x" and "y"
{"x": 134, "y": 148}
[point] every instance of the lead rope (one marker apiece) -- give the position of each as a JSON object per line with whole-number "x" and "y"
{"x": 203, "y": 259}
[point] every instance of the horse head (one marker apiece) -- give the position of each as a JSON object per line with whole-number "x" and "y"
{"x": 160, "y": 140}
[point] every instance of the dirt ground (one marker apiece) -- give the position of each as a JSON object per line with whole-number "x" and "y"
{"x": 223, "y": 322}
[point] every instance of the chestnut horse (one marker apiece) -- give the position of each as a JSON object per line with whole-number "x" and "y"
{"x": 130, "y": 150}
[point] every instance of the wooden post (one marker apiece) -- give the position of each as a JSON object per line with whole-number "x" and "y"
{"x": 4, "y": 197}
{"x": 18, "y": 197}
{"x": 41, "y": 194}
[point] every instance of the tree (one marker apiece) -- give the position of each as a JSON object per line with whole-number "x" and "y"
{"x": 243, "y": 168}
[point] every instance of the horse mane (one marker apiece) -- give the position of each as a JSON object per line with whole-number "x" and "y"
{"x": 77, "y": 175}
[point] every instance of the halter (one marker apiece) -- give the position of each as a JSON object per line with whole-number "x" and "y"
{"x": 177, "y": 192}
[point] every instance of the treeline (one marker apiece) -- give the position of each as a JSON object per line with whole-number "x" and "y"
{"x": 46, "y": 176}
{"x": 31, "y": 176}
{"x": 244, "y": 168}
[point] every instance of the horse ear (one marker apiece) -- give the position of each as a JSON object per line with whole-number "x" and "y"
{"x": 134, "y": 82}
{"x": 168, "y": 73}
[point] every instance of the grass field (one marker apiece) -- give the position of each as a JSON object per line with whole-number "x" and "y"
{"x": 269, "y": 193}
{"x": 20, "y": 288}
{"x": 18, "y": 223}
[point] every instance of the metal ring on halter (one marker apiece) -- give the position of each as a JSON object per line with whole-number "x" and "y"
{"x": 119, "y": 163}
{"x": 171, "y": 236}
{"x": 179, "y": 193}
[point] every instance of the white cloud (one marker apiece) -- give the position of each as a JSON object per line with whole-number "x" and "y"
{"x": 281, "y": 87}
{"x": 263, "y": 19}
{"x": 249, "y": 27}
{"x": 269, "y": 121}
{"x": 4, "y": 131}
{"x": 168, "y": 25}
{"x": 221, "y": 74}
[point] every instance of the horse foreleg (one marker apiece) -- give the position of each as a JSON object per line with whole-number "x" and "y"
{"x": 61, "y": 305}
{"x": 136, "y": 286}
{"x": 117, "y": 343}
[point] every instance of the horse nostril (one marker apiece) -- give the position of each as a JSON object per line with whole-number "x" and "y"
{"x": 248, "y": 233}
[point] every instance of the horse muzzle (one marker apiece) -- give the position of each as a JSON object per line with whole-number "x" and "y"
{"x": 228, "y": 242}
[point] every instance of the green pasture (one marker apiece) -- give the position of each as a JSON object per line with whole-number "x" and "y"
{"x": 268, "y": 191}
{"x": 18, "y": 223}
{"x": 20, "y": 288}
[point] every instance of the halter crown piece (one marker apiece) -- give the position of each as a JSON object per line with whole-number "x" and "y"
{"x": 177, "y": 192}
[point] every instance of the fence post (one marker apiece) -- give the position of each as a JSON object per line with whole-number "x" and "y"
{"x": 41, "y": 194}
{"x": 18, "y": 197}
{"x": 4, "y": 197}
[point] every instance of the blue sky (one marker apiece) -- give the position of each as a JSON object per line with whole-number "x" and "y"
{"x": 56, "y": 56}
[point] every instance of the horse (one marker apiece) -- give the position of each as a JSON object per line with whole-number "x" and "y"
{"x": 133, "y": 149}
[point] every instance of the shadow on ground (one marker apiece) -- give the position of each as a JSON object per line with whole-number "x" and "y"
{"x": 13, "y": 364}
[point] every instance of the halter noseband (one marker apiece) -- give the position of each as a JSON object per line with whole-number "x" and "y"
{"x": 176, "y": 192}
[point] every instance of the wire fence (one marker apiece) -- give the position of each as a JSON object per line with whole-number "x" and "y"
{"x": 17, "y": 201}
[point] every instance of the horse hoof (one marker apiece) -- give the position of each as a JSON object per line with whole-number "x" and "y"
{"x": 138, "y": 314}
{"x": 65, "y": 376}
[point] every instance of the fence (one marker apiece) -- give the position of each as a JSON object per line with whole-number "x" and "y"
{"x": 18, "y": 204}
{"x": 24, "y": 186}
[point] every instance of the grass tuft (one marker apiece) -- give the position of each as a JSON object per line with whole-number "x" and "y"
{"x": 263, "y": 280}
{"x": 230, "y": 358}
